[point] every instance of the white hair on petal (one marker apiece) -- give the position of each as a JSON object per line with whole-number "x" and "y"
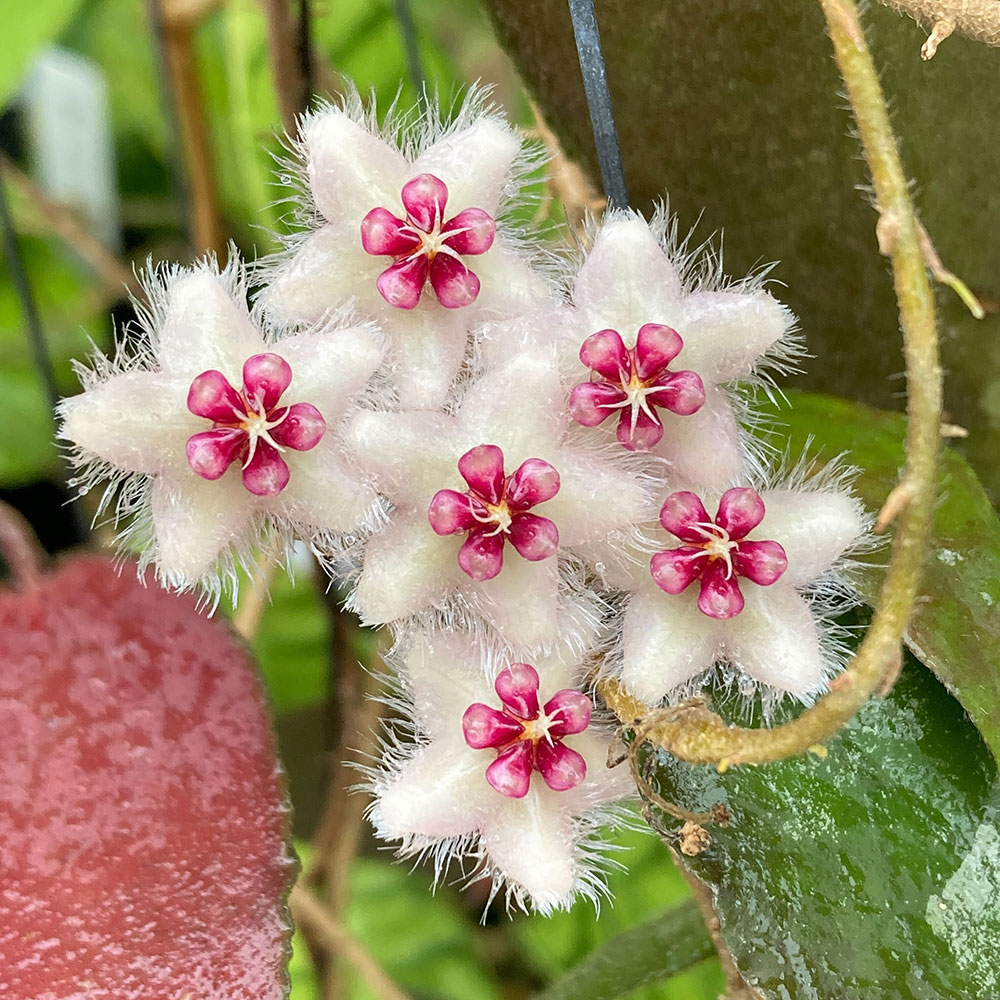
{"x": 829, "y": 596}
{"x": 700, "y": 268}
{"x": 126, "y": 496}
{"x": 463, "y": 859}
{"x": 412, "y": 132}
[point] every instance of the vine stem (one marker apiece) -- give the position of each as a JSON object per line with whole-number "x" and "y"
{"x": 691, "y": 731}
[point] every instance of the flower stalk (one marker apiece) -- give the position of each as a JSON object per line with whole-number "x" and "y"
{"x": 692, "y": 732}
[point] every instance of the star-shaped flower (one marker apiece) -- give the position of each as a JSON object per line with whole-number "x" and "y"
{"x": 518, "y": 793}
{"x": 757, "y": 563}
{"x": 219, "y": 433}
{"x": 657, "y": 341}
{"x": 461, "y": 486}
{"x": 417, "y": 237}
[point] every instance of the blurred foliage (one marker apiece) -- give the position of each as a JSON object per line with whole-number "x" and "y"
{"x": 430, "y": 943}
{"x": 36, "y": 24}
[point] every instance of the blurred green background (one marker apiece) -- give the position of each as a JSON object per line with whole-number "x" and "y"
{"x": 98, "y": 178}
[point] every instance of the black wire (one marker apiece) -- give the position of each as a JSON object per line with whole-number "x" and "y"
{"x": 19, "y": 279}
{"x": 595, "y": 84}
{"x": 408, "y": 29}
{"x": 36, "y": 337}
{"x": 304, "y": 45}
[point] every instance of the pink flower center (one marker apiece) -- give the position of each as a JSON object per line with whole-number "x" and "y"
{"x": 716, "y": 552}
{"x": 426, "y": 246}
{"x": 636, "y": 382}
{"x": 249, "y": 426}
{"x": 496, "y": 508}
{"x": 526, "y": 737}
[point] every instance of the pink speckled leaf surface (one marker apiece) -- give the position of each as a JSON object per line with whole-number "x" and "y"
{"x": 143, "y": 825}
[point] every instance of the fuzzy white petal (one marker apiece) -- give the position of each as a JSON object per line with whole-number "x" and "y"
{"x": 627, "y": 280}
{"x": 204, "y": 328}
{"x": 531, "y": 842}
{"x": 725, "y": 333}
{"x": 446, "y": 672}
{"x": 428, "y": 345}
{"x": 620, "y": 563}
{"x": 815, "y": 528}
{"x": 324, "y": 491}
{"x": 508, "y": 284}
{"x": 195, "y": 520}
{"x": 775, "y": 640}
{"x": 441, "y": 792}
{"x": 522, "y": 603}
{"x": 137, "y": 421}
{"x": 595, "y": 498}
{"x": 329, "y": 367}
{"x": 410, "y": 455}
{"x": 329, "y": 268}
{"x": 666, "y": 641}
{"x": 351, "y": 170}
{"x": 474, "y": 163}
{"x": 519, "y": 406}
{"x": 703, "y": 449}
{"x": 406, "y": 568}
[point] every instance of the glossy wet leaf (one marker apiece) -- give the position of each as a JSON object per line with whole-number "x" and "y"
{"x": 143, "y": 834}
{"x": 955, "y": 628}
{"x": 872, "y": 874}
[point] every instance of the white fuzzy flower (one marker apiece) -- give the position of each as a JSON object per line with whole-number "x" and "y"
{"x": 745, "y": 578}
{"x": 653, "y": 338}
{"x": 409, "y": 222}
{"x": 487, "y": 504}
{"x": 219, "y": 432}
{"x": 503, "y": 771}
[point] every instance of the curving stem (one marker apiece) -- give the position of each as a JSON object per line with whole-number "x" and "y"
{"x": 692, "y": 732}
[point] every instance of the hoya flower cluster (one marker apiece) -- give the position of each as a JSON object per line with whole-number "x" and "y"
{"x": 535, "y": 465}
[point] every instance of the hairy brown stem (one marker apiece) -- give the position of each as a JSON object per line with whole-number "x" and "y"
{"x": 693, "y": 733}
{"x": 736, "y": 986}
{"x": 976, "y": 19}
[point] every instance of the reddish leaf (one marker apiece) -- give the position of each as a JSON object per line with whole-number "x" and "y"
{"x": 143, "y": 829}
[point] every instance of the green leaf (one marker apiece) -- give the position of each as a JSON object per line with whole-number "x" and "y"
{"x": 640, "y": 956}
{"x": 955, "y": 629}
{"x": 871, "y": 874}
{"x": 423, "y": 940}
{"x": 293, "y": 642}
{"x": 641, "y": 891}
{"x": 25, "y": 31}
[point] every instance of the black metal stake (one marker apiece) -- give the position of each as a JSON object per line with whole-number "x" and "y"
{"x": 19, "y": 279}
{"x": 595, "y": 84}
{"x": 304, "y": 45}
{"x": 408, "y": 29}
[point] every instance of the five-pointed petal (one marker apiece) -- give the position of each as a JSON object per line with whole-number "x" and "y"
{"x": 775, "y": 638}
{"x": 350, "y": 171}
{"x": 440, "y": 792}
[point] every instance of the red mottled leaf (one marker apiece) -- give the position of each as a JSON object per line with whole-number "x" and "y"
{"x": 143, "y": 826}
